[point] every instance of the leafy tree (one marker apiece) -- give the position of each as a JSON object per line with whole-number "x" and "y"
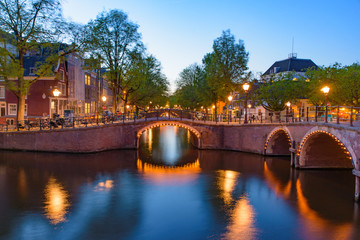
{"x": 28, "y": 26}
{"x": 344, "y": 83}
{"x": 145, "y": 83}
{"x": 225, "y": 66}
{"x": 192, "y": 88}
{"x": 113, "y": 39}
{"x": 276, "y": 91}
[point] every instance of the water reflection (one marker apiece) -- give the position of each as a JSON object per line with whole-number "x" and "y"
{"x": 174, "y": 193}
{"x": 226, "y": 182}
{"x": 56, "y": 202}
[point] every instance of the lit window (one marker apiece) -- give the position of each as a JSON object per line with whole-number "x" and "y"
{"x": 87, "y": 107}
{"x": 12, "y": 108}
{"x": 87, "y": 79}
{"x": 93, "y": 107}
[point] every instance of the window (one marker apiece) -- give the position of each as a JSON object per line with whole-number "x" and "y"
{"x": 62, "y": 89}
{"x": 93, "y": 107}
{"x": 26, "y": 109}
{"x": 61, "y": 75}
{"x": 32, "y": 71}
{"x": 87, "y": 107}
{"x": 12, "y": 108}
{"x": 2, "y": 109}
{"x": 2, "y": 92}
{"x": 87, "y": 79}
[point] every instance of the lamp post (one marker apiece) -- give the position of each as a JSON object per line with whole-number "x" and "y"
{"x": 230, "y": 98}
{"x": 288, "y": 104}
{"x": 246, "y": 87}
{"x": 56, "y": 93}
{"x": 326, "y": 90}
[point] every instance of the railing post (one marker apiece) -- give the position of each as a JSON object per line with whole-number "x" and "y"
{"x": 316, "y": 113}
{"x": 351, "y": 116}
{"x": 261, "y": 118}
{"x": 228, "y": 117}
{"x": 326, "y": 113}
{"x": 73, "y": 122}
{"x": 17, "y": 125}
{"x": 307, "y": 114}
{"x": 169, "y": 113}
{"x": 338, "y": 115}
{"x": 300, "y": 112}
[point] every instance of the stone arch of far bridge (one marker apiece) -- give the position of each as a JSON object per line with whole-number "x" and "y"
{"x": 278, "y": 141}
{"x": 334, "y": 137}
{"x": 170, "y": 123}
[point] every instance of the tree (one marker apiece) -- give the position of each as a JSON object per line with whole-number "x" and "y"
{"x": 113, "y": 39}
{"x": 225, "y": 66}
{"x": 27, "y": 26}
{"x": 276, "y": 91}
{"x": 192, "y": 88}
{"x": 344, "y": 83}
{"x": 145, "y": 82}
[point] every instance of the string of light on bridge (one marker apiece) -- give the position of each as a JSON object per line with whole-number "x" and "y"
{"x": 274, "y": 133}
{"x": 341, "y": 145}
{"x": 197, "y": 134}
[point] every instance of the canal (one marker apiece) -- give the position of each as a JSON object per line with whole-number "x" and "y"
{"x": 170, "y": 190}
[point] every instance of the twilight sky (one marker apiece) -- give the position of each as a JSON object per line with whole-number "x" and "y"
{"x": 181, "y": 32}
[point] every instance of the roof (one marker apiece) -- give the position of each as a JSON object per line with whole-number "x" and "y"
{"x": 291, "y": 64}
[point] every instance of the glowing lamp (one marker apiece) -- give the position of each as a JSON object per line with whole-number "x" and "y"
{"x": 56, "y": 92}
{"x": 246, "y": 87}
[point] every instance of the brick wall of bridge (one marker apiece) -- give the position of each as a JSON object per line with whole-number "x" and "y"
{"x": 246, "y": 138}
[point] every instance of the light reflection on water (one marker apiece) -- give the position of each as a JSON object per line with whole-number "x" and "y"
{"x": 169, "y": 190}
{"x": 56, "y": 202}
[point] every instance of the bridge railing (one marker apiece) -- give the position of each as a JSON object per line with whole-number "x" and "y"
{"x": 343, "y": 115}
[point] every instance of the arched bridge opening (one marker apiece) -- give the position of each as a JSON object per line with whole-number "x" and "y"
{"x": 196, "y": 141}
{"x": 169, "y": 113}
{"x": 321, "y": 149}
{"x": 278, "y": 143}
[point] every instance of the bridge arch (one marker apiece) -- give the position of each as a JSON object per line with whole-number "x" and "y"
{"x": 322, "y": 148}
{"x": 169, "y": 123}
{"x": 278, "y": 142}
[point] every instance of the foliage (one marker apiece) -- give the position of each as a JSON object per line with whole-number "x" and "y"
{"x": 114, "y": 40}
{"x": 146, "y": 84}
{"x": 344, "y": 83}
{"x": 192, "y": 88}
{"x": 277, "y": 90}
{"x": 225, "y": 66}
{"x": 30, "y": 26}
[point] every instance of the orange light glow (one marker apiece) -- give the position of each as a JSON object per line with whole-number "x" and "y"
{"x": 56, "y": 202}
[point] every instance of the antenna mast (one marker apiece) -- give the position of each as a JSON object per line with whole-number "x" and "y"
{"x": 292, "y": 54}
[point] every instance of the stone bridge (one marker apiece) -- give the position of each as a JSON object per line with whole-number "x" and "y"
{"x": 310, "y": 145}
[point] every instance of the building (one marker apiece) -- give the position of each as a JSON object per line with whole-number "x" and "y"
{"x": 292, "y": 64}
{"x": 297, "y": 68}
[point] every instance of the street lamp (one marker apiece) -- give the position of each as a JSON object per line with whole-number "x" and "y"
{"x": 103, "y": 98}
{"x": 230, "y": 98}
{"x": 246, "y": 87}
{"x": 288, "y": 104}
{"x": 326, "y": 90}
{"x": 56, "y": 93}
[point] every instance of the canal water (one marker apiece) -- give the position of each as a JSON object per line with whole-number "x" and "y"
{"x": 170, "y": 190}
